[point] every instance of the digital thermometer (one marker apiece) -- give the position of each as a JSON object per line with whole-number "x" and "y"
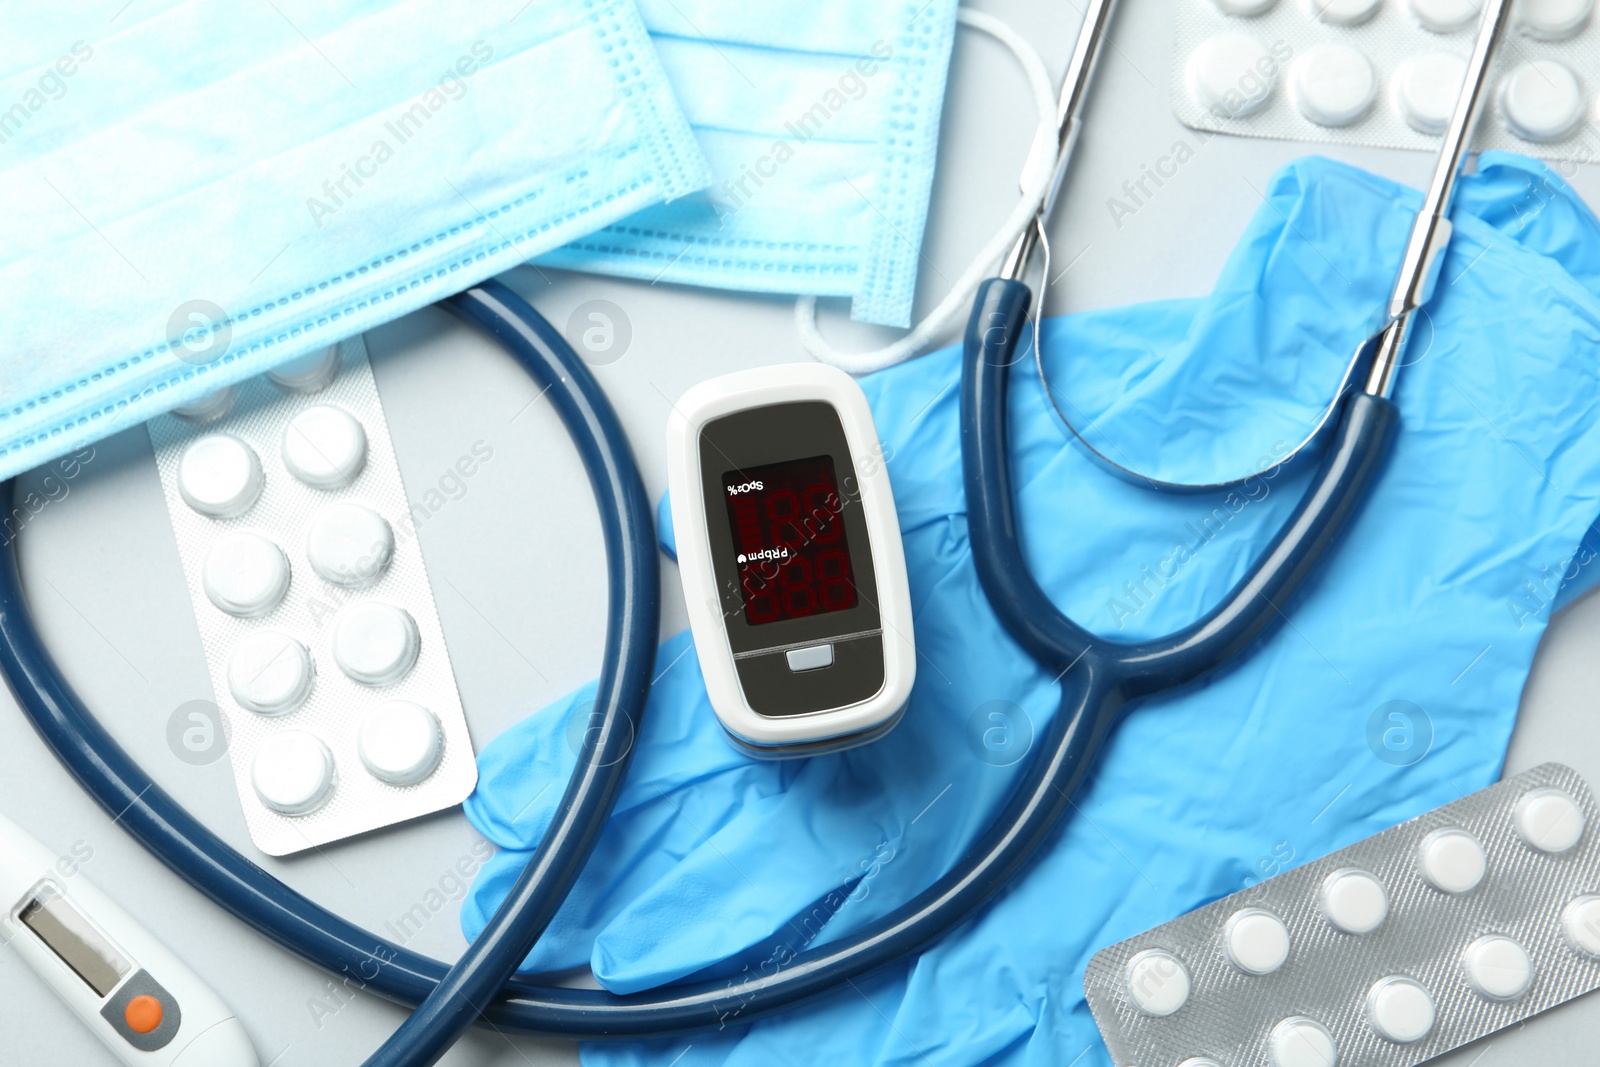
{"x": 140, "y": 1000}
{"x": 790, "y": 554}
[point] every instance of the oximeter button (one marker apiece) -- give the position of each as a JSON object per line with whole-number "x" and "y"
{"x": 245, "y": 574}
{"x": 810, "y": 658}
{"x": 270, "y": 673}
{"x": 350, "y": 545}
{"x": 220, "y": 476}
{"x": 325, "y": 447}
{"x": 308, "y": 373}
{"x": 293, "y": 773}
{"x": 400, "y": 742}
{"x": 375, "y": 643}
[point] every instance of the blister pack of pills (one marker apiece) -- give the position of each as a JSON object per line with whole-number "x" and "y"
{"x": 1387, "y": 73}
{"x": 314, "y": 606}
{"x": 1397, "y": 949}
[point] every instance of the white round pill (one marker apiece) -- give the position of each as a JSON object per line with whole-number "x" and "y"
{"x": 1451, "y": 860}
{"x": 293, "y": 772}
{"x": 1343, "y": 12}
{"x": 1231, "y": 75}
{"x": 1255, "y": 941}
{"x": 1332, "y": 84}
{"x": 350, "y": 545}
{"x": 1498, "y": 968}
{"x": 1400, "y": 1009}
{"x": 1301, "y": 1042}
{"x": 375, "y": 643}
{"x": 1158, "y": 982}
{"x": 1199, "y": 1061}
{"x": 1542, "y": 101}
{"x": 1354, "y": 901}
{"x": 1426, "y": 88}
{"x": 1552, "y": 20}
{"x": 270, "y": 672}
{"x": 245, "y": 574}
{"x": 1244, "y": 8}
{"x": 1445, "y": 16}
{"x": 1548, "y": 819}
{"x": 1580, "y": 922}
{"x": 208, "y": 407}
{"x": 220, "y": 476}
{"x": 325, "y": 447}
{"x": 400, "y": 742}
{"x": 309, "y": 373}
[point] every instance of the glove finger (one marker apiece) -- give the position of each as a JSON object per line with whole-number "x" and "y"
{"x": 1021, "y": 979}
{"x": 636, "y": 850}
{"x": 519, "y": 774}
{"x": 522, "y": 774}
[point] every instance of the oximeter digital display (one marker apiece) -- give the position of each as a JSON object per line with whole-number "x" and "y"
{"x": 788, "y": 529}
{"x": 790, "y": 554}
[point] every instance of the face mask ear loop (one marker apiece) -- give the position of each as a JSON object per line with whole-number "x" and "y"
{"x": 1035, "y": 185}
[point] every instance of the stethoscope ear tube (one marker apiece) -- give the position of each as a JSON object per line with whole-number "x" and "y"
{"x": 1351, "y": 462}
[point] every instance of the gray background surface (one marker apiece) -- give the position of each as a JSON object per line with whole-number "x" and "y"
{"x": 518, "y": 572}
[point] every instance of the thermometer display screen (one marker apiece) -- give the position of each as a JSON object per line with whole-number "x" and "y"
{"x": 793, "y": 557}
{"x": 71, "y": 937}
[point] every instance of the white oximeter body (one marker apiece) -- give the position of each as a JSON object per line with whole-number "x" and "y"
{"x": 790, "y": 554}
{"x": 143, "y": 1003}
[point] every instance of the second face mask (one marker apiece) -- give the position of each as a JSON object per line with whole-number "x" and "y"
{"x": 821, "y": 124}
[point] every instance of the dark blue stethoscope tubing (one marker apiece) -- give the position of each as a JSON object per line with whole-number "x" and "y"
{"x": 1098, "y": 679}
{"x": 632, "y": 633}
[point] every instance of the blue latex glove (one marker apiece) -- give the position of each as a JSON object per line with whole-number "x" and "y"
{"x": 1434, "y": 599}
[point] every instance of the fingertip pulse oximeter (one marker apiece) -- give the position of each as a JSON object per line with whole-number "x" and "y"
{"x": 790, "y": 554}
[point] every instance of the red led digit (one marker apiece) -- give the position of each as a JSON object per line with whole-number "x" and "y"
{"x": 746, "y": 523}
{"x": 822, "y": 504}
{"x": 833, "y": 580}
{"x": 761, "y": 602}
{"x": 799, "y": 597}
{"x": 783, "y": 508}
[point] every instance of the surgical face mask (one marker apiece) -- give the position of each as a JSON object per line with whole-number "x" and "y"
{"x": 821, "y": 123}
{"x": 198, "y": 191}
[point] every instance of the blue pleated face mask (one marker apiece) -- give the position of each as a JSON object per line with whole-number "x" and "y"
{"x": 196, "y": 191}
{"x": 821, "y": 123}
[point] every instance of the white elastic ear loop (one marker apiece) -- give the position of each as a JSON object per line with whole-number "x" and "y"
{"x": 1034, "y": 184}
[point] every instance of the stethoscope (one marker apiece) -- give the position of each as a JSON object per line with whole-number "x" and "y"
{"x": 1098, "y": 678}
